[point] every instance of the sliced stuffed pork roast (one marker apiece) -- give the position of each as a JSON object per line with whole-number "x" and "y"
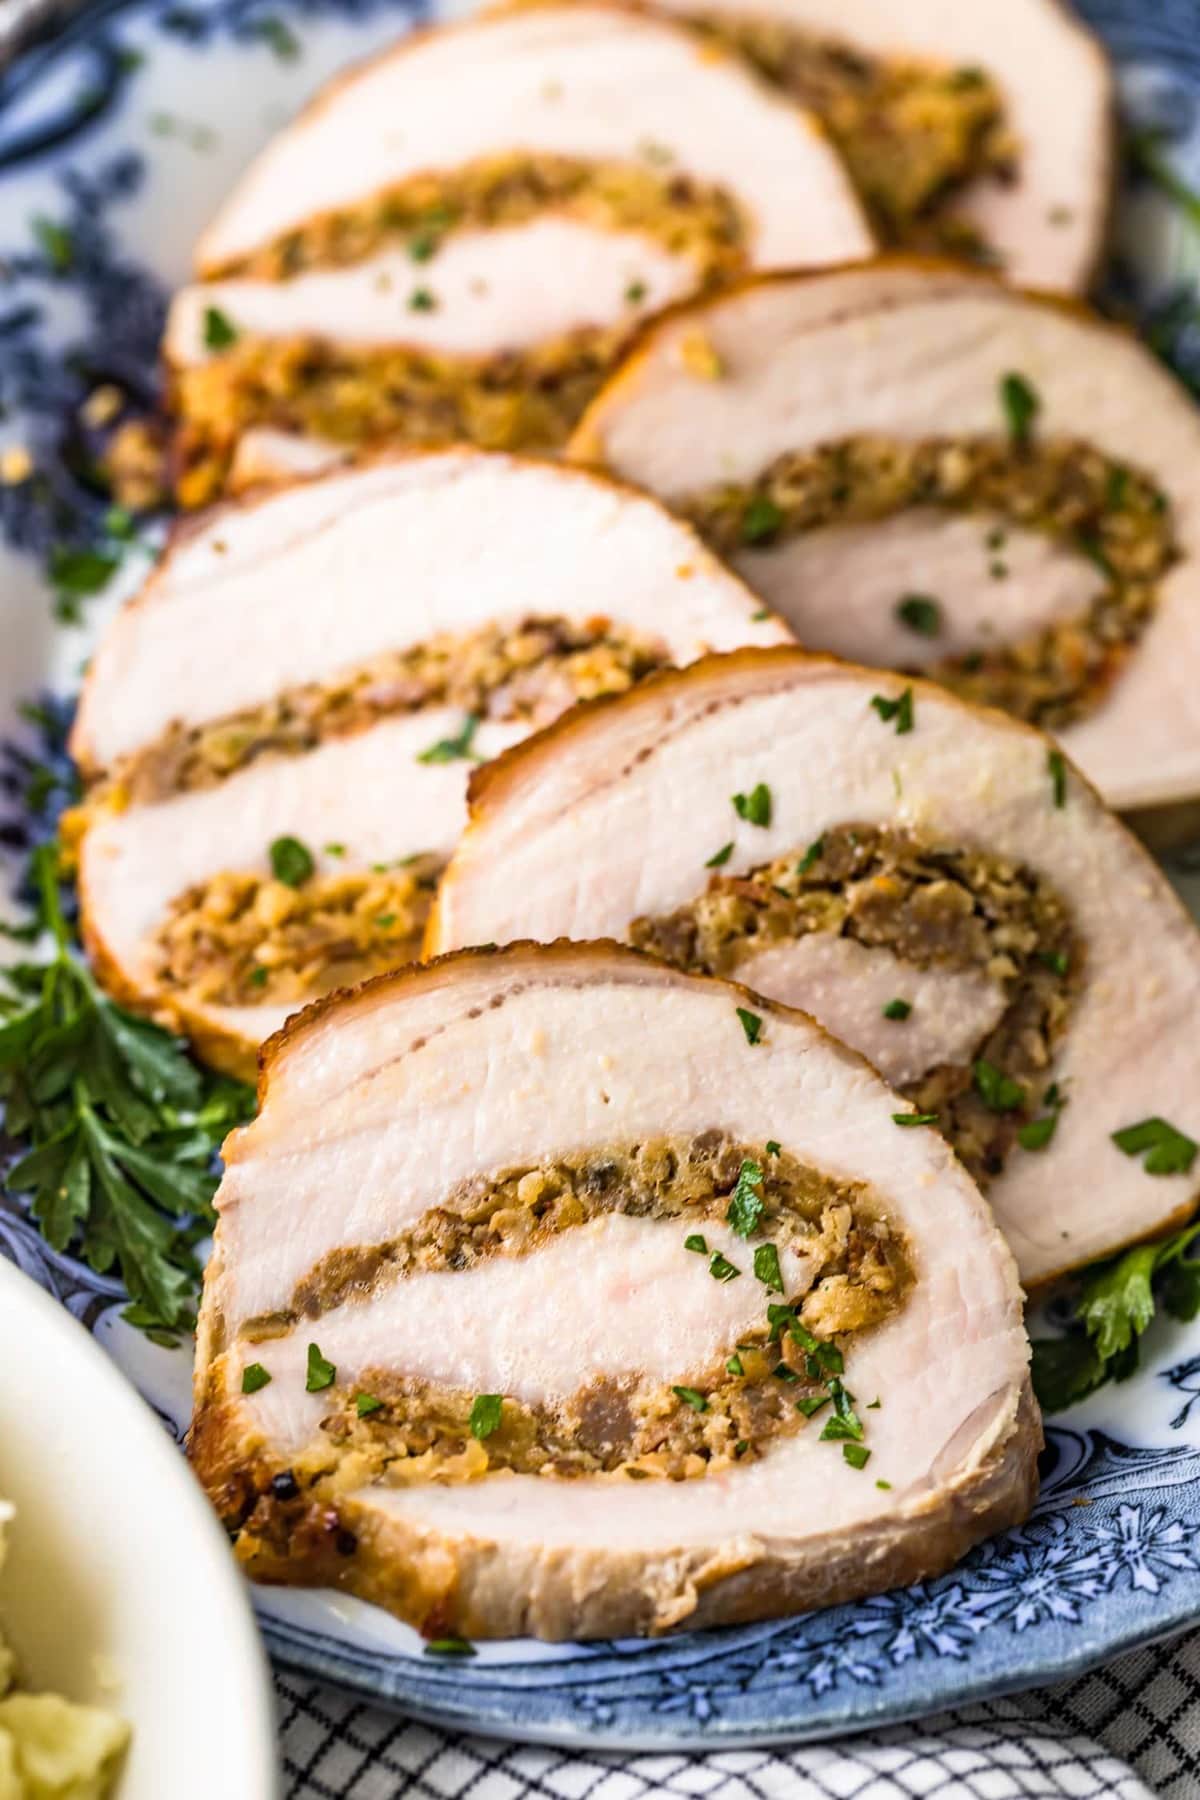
{"x": 457, "y": 239}
{"x": 925, "y": 470}
{"x": 935, "y": 883}
{"x": 984, "y": 127}
{"x": 558, "y": 1291}
{"x": 277, "y": 732}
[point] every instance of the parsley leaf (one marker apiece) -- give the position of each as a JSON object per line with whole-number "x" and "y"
{"x": 897, "y": 1009}
{"x": 254, "y": 1377}
{"x": 455, "y": 749}
{"x": 914, "y": 1118}
{"x": 691, "y": 1397}
{"x": 366, "y": 1404}
{"x": 766, "y": 1267}
{"x": 1114, "y": 1302}
{"x": 291, "y": 861}
{"x": 486, "y": 1413}
{"x": 751, "y": 1025}
{"x": 697, "y": 1243}
{"x": 773, "y": 1149}
{"x": 1038, "y": 1132}
{"x": 319, "y": 1372}
{"x": 219, "y": 329}
{"x": 812, "y": 855}
{"x": 998, "y": 1091}
{"x": 900, "y": 709}
{"x": 920, "y": 613}
{"x": 450, "y": 1646}
{"x": 1021, "y": 406}
{"x": 1167, "y": 1151}
{"x": 746, "y": 1201}
{"x": 720, "y": 857}
{"x": 857, "y": 1455}
{"x": 721, "y": 1269}
{"x": 115, "y": 1128}
{"x": 1056, "y": 764}
{"x": 754, "y": 807}
{"x": 761, "y": 520}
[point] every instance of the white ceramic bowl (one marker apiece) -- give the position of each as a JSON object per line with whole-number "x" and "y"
{"x": 117, "y": 1566}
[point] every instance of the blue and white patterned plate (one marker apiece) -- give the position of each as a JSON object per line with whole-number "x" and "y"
{"x": 125, "y": 129}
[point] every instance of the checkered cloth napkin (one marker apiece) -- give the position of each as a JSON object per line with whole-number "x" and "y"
{"x": 1127, "y": 1731}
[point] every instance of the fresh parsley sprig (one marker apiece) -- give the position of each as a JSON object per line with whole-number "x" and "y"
{"x": 115, "y": 1129}
{"x": 1112, "y": 1305}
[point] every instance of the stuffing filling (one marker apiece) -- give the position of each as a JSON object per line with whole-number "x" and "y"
{"x": 930, "y": 905}
{"x": 782, "y": 1376}
{"x": 1113, "y": 515}
{"x": 912, "y": 134}
{"x": 531, "y": 670}
{"x": 510, "y": 400}
{"x": 250, "y": 940}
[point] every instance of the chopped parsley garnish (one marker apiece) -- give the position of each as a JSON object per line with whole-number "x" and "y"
{"x": 55, "y": 243}
{"x": 920, "y": 613}
{"x": 281, "y": 39}
{"x": 291, "y": 861}
{"x": 998, "y": 1091}
{"x": 423, "y": 245}
{"x": 635, "y": 293}
{"x": 721, "y": 1269}
{"x": 751, "y": 1025}
{"x": 773, "y": 1148}
{"x": 335, "y": 849}
{"x": 219, "y": 329}
{"x": 319, "y": 1374}
{"x": 112, "y": 1126}
{"x": 691, "y": 1397}
{"x": 735, "y": 1366}
{"x": 897, "y": 1009}
{"x": 784, "y": 1372}
{"x": 885, "y": 1485}
{"x": 813, "y": 854}
{"x": 254, "y": 1377}
{"x": 914, "y": 1118}
{"x": 746, "y": 1201}
{"x": 78, "y": 575}
{"x": 1038, "y": 1132}
{"x": 450, "y": 1646}
{"x": 486, "y": 1412}
{"x": 697, "y": 1243}
{"x": 900, "y": 709}
{"x": 1056, "y": 763}
{"x": 754, "y": 807}
{"x": 720, "y": 857}
{"x": 1055, "y": 960}
{"x": 455, "y": 749}
{"x": 421, "y": 300}
{"x": 812, "y": 1404}
{"x": 1117, "y": 489}
{"x": 1113, "y": 1303}
{"x": 366, "y": 1404}
{"x": 741, "y": 1447}
{"x": 1021, "y": 407}
{"x": 766, "y": 1267}
{"x": 1167, "y": 1150}
{"x": 761, "y": 520}
{"x": 857, "y": 1455}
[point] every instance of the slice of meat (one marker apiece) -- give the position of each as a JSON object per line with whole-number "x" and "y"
{"x": 952, "y": 118}
{"x": 277, "y": 732}
{"x": 544, "y": 1301}
{"x": 472, "y": 271}
{"x": 933, "y": 881}
{"x": 924, "y": 469}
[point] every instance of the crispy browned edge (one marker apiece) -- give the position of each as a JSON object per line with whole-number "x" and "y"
{"x": 464, "y": 1584}
{"x": 218, "y": 1045}
{"x": 492, "y": 784}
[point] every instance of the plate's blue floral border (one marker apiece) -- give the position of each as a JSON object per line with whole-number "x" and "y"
{"x": 1111, "y": 1556}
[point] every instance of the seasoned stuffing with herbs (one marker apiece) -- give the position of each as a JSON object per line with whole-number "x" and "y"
{"x": 777, "y": 1378}
{"x": 510, "y": 400}
{"x": 250, "y": 940}
{"x": 1116, "y": 516}
{"x": 912, "y": 134}
{"x": 531, "y": 670}
{"x": 930, "y": 905}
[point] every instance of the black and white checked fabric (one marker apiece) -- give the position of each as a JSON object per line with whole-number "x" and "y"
{"x": 1128, "y": 1731}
